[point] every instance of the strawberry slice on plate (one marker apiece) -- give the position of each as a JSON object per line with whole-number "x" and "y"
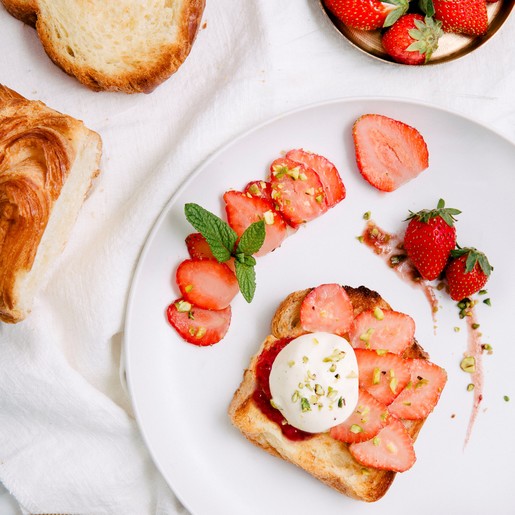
{"x": 389, "y": 153}
{"x": 198, "y": 247}
{"x": 206, "y": 283}
{"x": 327, "y": 172}
{"x": 391, "y": 449}
{"x": 383, "y": 375}
{"x": 197, "y": 325}
{"x": 382, "y": 329}
{"x": 297, "y": 191}
{"x": 422, "y": 392}
{"x": 327, "y": 308}
{"x": 369, "y": 417}
{"x": 243, "y": 210}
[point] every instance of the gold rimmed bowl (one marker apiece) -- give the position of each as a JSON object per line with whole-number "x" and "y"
{"x": 450, "y": 47}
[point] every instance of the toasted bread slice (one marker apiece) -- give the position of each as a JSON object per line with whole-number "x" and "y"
{"x": 322, "y": 456}
{"x": 129, "y": 46}
{"x": 47, "y": 163}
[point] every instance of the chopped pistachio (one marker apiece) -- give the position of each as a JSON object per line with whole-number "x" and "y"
{"x": 201, "y": 332}
{"x": 365, "y": 337}
{"x": 378, "y": 313}
{"x": 268, "y": 217}
{"x": 341, "y": 402}
{"x": 376, "y": 440}
{"x": 291, "y": 363}
{"x": 391, "y": 448}
{"x": 421, "y": 382}
{"x": 482, "y": 292}
{"x": 305, "y": 359}
{"x": 470, "y": 387}
{"x": 440, "y": 286}
{"x": 319, "y": 198}
{"x": 475, "y": 326}
{"x": 319, "y": 389}
{"x": 376, "y": 376}
{"x": 506, "y": 398}
{"x": 294, "y": 173}
{"x": 304, "y": 404}
{"x": 332, "y": 368}
{"x": 360, "y": 238}
{"x": 407, "y": 403}
{"x": 182, "y": 306}
{"x": 303, "y": 176}
{"x": 273, "y": 404}
{"x": 188, "y": 288}
{"x": 313, "y": 399}
{"x": 384, "y": 415}
{"x": 310, "y": 191}
{"x": 393, "y": 384}
{"x": 296, "y": 396}
{"x": 352, "y": 375}
{"x": 468, "y": 364}
{"x": 488, "y": 302}
{"x": 366, "y": 216}
{"x": 381, "y": 352}
{"x": 191, "y": 315}
{"x": 365, "y": 471}
{"x": 355, "y": 428}
{"x": 457, "y": 329}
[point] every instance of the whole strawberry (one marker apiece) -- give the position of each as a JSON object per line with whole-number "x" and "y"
{"x": 429, "y": 239}
{"x": 412, "y": 39}
{"x": 462, "y": 16}
{"x": 467, "y": 272}
{"x": 367, "y": 14}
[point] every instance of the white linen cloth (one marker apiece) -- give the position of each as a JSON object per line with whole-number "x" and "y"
{"x": 68, "y": 439}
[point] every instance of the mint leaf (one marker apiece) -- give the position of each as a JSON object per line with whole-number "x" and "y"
{"x": 219, "y": 235}
{"x": 252, "y": 239}
{"x": 246, "y": 276}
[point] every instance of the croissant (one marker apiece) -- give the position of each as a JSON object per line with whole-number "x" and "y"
{"x": 47, "y": 163}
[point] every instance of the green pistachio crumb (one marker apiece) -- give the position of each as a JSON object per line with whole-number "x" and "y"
{"x": 468, "y": 364}
{"x": 366, "y": 216}
{"x": 456, "y": 329}
{"x": 506, "y": 398}
{"x": 470, "y": 387}
{"x": 355, "y": 428}
{"x": 488, "y": 302}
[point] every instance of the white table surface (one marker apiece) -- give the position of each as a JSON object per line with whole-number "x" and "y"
{"x": 252, "y": 61}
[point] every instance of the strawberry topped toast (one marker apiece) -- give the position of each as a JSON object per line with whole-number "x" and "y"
{"x": 341, "y": 388}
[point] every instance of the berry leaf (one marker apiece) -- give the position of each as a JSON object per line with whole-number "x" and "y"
{"x": 427, "y": 7}
{"x": 218, "y": 234}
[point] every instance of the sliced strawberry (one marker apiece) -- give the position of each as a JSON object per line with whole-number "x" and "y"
{"x": 382, "y": 329}
{"x": 243, "y": 210}
{"x": 369, "y": 417}
{"x": 198, "y": 247}
{"x": 297, "y": 191}
{"x": 389, "y": 153}
{"x": 391, "y": 449}
{"x": 327, "y": 172}
{"x": 196, "y": 325}
{"x": 261, "y": 189}
{"x": 206, "y": 283}
{"x": 327, "y": 308}
{"x": 421, "y": 394}
{"x": 383, "y": 375}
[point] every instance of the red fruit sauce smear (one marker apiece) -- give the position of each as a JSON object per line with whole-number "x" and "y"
{"x": 475, "y": 349}
{"x": 391, "y": 248}
{"x": 262, "y": 395}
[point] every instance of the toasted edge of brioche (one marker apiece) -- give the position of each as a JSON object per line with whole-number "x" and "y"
{"x": 321, "y": 456}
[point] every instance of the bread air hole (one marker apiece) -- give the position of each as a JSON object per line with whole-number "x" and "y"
{"x": 70, "y": 51}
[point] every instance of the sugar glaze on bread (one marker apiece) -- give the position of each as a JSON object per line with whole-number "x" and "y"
{"x": 321, "y": 456}
{"x": 47, "y": 163}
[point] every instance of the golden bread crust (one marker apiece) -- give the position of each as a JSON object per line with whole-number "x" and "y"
{"x": 321, "y": 456}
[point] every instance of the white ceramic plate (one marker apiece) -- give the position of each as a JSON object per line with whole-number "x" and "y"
{"x": 181, "y": 392}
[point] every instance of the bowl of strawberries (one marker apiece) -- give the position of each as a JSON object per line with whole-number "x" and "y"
{"x": 417, "y": 32}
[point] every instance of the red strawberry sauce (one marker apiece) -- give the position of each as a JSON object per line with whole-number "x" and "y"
{"x": 262, "y": 395}
{"x": 390, "y": 248}
{"x": 475, "y": 349}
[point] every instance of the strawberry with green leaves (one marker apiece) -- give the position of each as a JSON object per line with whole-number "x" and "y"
{"x": 467, "y": 272}
{"x": 412, "y": 39}
{"x": 429, "y": 239}
{"x": 367, "y": 14}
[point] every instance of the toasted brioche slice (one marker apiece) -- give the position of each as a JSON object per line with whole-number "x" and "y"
{"x": 47, "y": 163}
{"x": 130, "y": 46}
{"x": 322, "y": 456}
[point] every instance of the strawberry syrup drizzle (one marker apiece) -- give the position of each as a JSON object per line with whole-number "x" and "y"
{"x": 390, "y": 247}
{"x": 475, "y": 349}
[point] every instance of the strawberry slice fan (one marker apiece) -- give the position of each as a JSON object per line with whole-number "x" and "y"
{"x": 300, "y": 187}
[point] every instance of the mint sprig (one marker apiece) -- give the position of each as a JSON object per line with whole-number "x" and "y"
{"x": 222, "y": 239}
